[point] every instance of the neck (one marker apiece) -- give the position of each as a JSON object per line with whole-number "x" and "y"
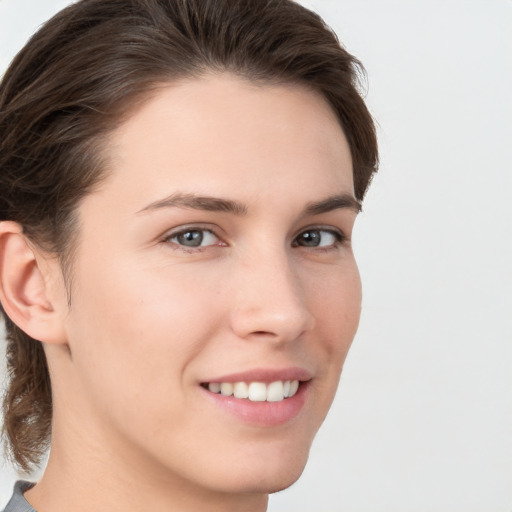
{"x": 88, "y": 469}
{"x": 89, "y": 483}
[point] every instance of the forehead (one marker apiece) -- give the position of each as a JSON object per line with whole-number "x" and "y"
{"x": 204, "y": 133}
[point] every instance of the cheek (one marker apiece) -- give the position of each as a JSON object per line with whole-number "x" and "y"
{"x": 335, "y": 302}
{"x": 337, "y": 313}
{"x": 139, "y": 327}
{"x": 134, "y": 336}
{"x": 337, "y": 307}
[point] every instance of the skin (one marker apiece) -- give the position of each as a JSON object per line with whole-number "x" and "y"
{"x": 151, "y": 319}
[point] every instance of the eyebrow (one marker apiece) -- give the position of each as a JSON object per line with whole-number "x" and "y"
{"x": 336, "y": 202}
{"x": 217, "y": 204}
{"x": 197, "y": 202}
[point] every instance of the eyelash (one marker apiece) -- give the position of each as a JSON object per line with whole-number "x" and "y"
{"x": 339, "y": 239}
{"x": 168, "y": 239}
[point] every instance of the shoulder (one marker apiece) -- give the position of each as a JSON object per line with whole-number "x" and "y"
{"x": 18, "y": 503}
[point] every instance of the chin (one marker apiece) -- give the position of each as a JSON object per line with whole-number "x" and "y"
{"x": 280, "y": 482}
{"x": 267, "y": 474}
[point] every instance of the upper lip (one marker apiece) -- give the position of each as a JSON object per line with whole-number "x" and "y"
{"x": 265, "y": 375}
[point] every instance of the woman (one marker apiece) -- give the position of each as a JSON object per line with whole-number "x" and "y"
{"x": 179, "y": 183}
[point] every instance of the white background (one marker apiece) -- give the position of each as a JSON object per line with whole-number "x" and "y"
{"x": 423, "y": 420}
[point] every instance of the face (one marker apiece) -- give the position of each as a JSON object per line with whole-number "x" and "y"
{"x": 216, "y": 255}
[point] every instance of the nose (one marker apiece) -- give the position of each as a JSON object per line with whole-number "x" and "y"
{"x": 270, "y": 300}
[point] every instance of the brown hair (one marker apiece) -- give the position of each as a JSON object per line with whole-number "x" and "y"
{"x": 72, "y": 83}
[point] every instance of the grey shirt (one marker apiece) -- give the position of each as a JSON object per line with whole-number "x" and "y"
{"x": 18, "y": 503}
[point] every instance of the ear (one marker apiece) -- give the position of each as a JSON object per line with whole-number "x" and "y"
{"x": 27, "y": 284}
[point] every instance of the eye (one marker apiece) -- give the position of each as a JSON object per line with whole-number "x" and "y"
{"x": 318, "y": 238}
{"x": 193, "y": 238}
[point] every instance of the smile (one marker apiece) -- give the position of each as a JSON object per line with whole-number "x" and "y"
{"x": 261, "y": 397}
{"x": 256, "y": 391}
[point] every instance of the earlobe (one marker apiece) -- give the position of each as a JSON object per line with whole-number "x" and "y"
{"x": 24, "y": 292}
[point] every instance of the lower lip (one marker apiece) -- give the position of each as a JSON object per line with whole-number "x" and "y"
{"x": 262, "y": 414}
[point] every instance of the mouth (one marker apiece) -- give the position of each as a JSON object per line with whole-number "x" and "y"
{"x": 261, "y": 397}
{"x": 275, "y": 391}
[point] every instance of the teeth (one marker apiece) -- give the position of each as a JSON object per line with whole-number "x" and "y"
{"x": 226, "y": 389}
{"x": 214, "y": 387}
{"x": 275, "y": 392}
{"x": 241, "y": 390}
{"x": 286, "y": 389}
{"x": 257, "y": 391}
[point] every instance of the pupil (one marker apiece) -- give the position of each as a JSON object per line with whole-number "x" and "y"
{"x": 311, "y": 238}
{"x": 191, "y": 238}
